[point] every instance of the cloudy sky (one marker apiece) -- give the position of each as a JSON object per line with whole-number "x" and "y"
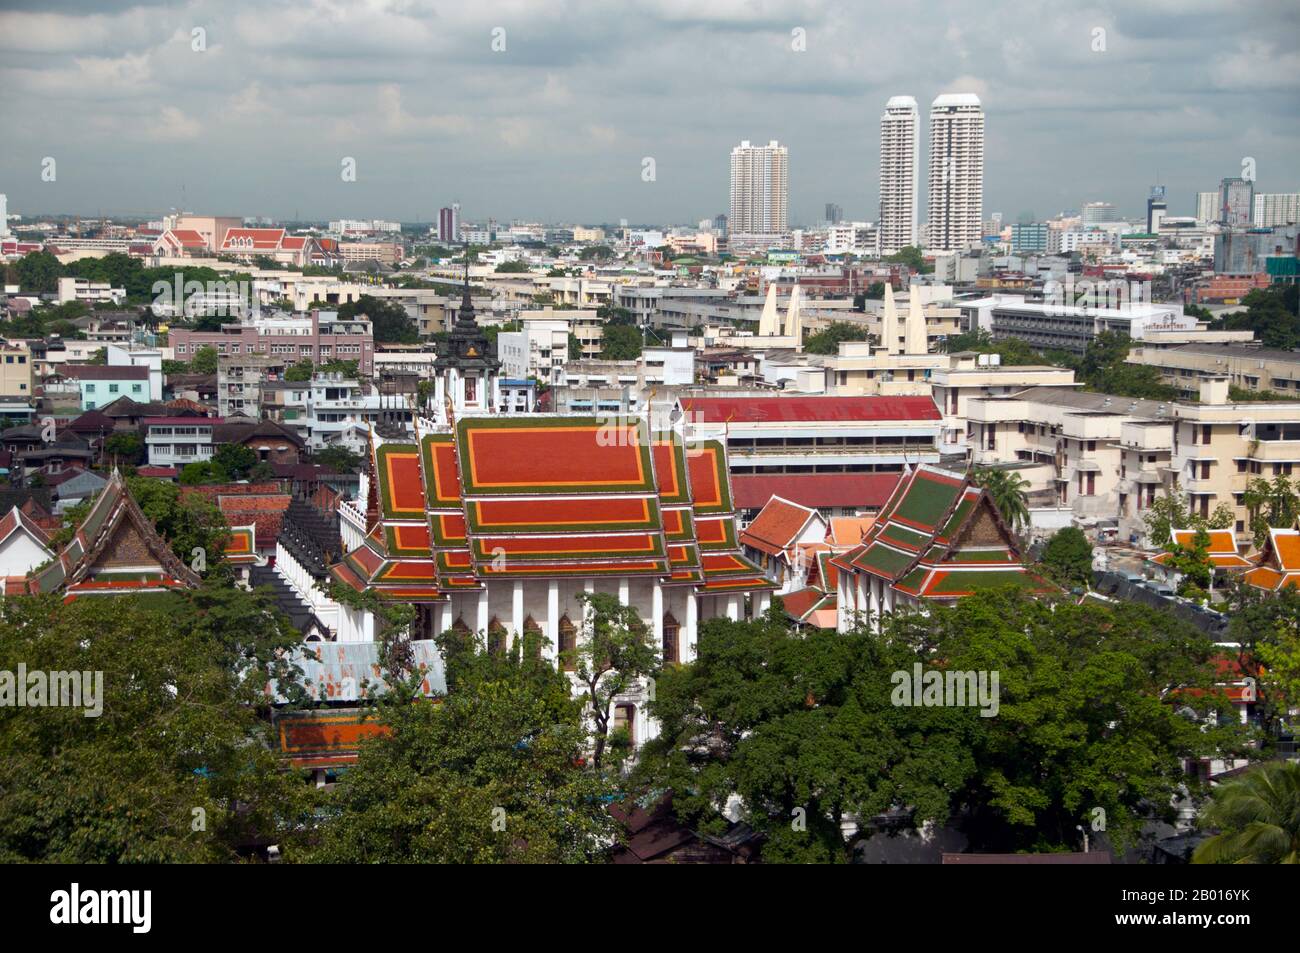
{"x": 555, "y": 126}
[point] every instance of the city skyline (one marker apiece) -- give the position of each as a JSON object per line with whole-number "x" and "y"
{"x": 555, "y": 125}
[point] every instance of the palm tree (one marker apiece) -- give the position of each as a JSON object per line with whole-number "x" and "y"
{"x": 1009, "y": 492}
{"x": 1258, "y": 817}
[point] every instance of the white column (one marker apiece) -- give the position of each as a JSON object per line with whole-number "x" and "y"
{"x": 688, "y": 630}
{"x": 863, "y": 597}
{"x": 843, "y": 601}
{"x": 873, "y": 606}
{"x": 657, "y": 610}
{"x": 482, "y": 624}
{"x": 733, "y": 607}
{"x": 552, "y": 619}
{"x": 762, "y": 602}
{"x": 444, "y": 617}
{"x": 517, "y": 609}
{"x": 625, "y": 591}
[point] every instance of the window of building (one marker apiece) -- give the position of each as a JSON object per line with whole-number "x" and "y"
{"x": 672, "y": 633}
{"x": 496, "y": 636}
{"x": 568, "y": 644}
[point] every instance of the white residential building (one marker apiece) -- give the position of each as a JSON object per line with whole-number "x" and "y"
{"x": 900, "y": 151}
{"x": 956, "y": 207}
{"x": 759, "y": 189}
{"x": 1276, "y": 208}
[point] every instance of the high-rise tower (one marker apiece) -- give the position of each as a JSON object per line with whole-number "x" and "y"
{"x": 900, "y": 157}
{"x": 759, "y": 189}
{"x": 956, "y": 172}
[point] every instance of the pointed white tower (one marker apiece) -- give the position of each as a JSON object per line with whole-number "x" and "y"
{"x": 889, "y": 322}
{"x": 914, "y": 330}
{"x": 794, "y": 318}
{"x": 767, "y": 321}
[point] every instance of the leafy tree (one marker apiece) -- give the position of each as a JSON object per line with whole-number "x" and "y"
{"x": 188, "y": 521}
{"x": 512, "y": 267}
{"x": 126, "y": 447}
{"x": 575, "y": 347}
{"x": 1266, "y": 629}
{"x": 620, "y": 343}
{"x": 1068, "y": 557}
{"x": 1193, "y": 566}
{"x": 1009, "y": 492}
{"x": 1257, "y": 817}
{"x": 1085, "y": 720}
{"x": 234, "y": 460}
{"x": 613, "y": 653}
{"x": 179, "y": 766}
{"x": 1273, "y": 313}
{"x": 1271, "y": 504}
{"x": 493, "y": 773}
{"x": 39, "y": 273}
{"x": 390, "y": 321}
{"x": 340, "y": 459}
{"x": 299, "y": 372}
{"x": 204, "y": 361}
{"x": 827, "y": 340}
{"x": 1169, "y": 512}
{"x": 911, "y": 256}
{"x": 596, "y": 253}
{"x": 200, "y": 472}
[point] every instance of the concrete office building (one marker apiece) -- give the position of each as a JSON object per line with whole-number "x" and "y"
{"x": 1236, "y": 201}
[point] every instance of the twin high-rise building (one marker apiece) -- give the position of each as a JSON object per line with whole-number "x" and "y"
{"x": 760, "y": 194}
{"x": 900, "y": 161}
{"x": 956, "y": 175}
{"x": 759, "y": 189}
{"x": 956, "y": 207}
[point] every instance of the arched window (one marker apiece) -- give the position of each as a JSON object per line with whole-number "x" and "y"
{"x": 625, "y": 717}
{"x": 672, "y": 631}
{"x": 496, "y": 636}
{"x": 568, "y": 644}
{"x": 532, "y": 638}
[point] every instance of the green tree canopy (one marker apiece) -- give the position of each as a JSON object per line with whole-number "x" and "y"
{"x": 1256, "y": 816}
{"x": 179, "y": 765}
{"x": 827, "y": 340}
{"x": 1068, "y": 557}
{"x": 492, "y": 773}
{"x": 391, "y": 322}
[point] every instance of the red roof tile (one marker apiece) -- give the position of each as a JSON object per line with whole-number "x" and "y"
{"x": 763, "y": 409}
{"x": 866, "y": 491}
{"x": 777, "y": 526}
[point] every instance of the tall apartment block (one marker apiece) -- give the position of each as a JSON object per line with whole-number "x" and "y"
{"x": 759, "y": 189}
{"x": 1271, "y": 209}
{"x": 1207, "y": 207}
{"x": 449, "y": 223}
{"x": 900, "y": 161}
{"x": 956, "y": 205}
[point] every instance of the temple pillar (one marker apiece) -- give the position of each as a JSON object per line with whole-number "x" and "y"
{"x": 552, "y": 619}
{"x": 689, "y": 629}
{"x": 657, "y": 610}
{"x": 733, "y": 607}
{"x": 762, "y": 602}
{"x": 517, "y": 610}
{"x": 443, "y": 617}
{"x": 481, "y": 624}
